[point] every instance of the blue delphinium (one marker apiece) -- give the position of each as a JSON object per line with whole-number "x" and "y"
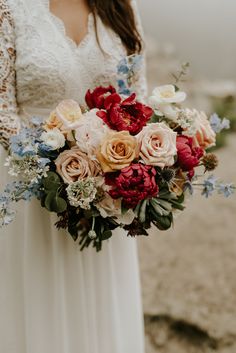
{"x": 188, "y": 186}
{"x": 127, "y": 71}
{"x": 219, "y": 124}
{"x": 226, "y": 189}
{"x": 209, "y": 186}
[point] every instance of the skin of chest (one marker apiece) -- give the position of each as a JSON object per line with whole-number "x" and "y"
{"x": 74, "y": 14}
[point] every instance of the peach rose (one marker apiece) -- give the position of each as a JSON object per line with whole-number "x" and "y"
{"x": 73, "y": 165}
{"x": 157, "y": 145}
{"x": 205, "y": 137}
{"x": 117, "y": 151}
{"x": 69, "y": 113}
{"x": 53, "y": 122}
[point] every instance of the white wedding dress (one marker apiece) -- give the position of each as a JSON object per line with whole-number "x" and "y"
{"x": 54, "y": 298}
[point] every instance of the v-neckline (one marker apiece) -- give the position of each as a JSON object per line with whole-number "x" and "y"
{"x": 61, "y": 26}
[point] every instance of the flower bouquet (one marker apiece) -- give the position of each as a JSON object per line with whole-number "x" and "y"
{"x": 118, "y": 163}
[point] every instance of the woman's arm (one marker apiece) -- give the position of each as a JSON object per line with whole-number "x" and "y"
{"x": 9, "y": 120}
{"x": 141, "y": 82}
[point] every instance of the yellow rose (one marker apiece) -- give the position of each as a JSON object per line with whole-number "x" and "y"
{"x": 117, "y": 151}
{"x": 69, "y": 112}
{"x": 53, "y": 122}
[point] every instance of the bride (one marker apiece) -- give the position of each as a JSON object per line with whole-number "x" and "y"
{"x": 54, "y": 298}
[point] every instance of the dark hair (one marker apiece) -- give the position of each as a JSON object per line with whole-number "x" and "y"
{"x": 119, "y": 16}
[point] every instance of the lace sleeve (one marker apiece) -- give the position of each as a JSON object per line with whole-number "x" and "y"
{"x": 141, "y": 82}
{"x": 9, "y": 121}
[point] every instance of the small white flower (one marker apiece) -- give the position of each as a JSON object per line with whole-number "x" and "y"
{"x": 163, "y": 100}
{"x": 53, "y": 138}
{"x": 82, "y": 193}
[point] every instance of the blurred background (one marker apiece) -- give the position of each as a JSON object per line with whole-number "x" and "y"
{"x": 189, "y": 273}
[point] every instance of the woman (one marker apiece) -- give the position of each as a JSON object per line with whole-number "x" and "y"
{"x": 53, "y": 298}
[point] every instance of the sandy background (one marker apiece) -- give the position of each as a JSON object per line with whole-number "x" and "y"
{"x": 189, "y": 273}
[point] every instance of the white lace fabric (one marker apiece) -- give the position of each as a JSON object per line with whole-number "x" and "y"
{"x": 9, "y": 121}
{"x": 41, "y": 65}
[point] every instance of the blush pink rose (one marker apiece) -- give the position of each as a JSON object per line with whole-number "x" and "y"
{"x": 73, "y": 165}
{"x": 157, "y": 145}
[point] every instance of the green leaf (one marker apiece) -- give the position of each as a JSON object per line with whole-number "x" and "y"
{"x": 51, "y": 182}
{"x": 162, "y": 222}
{"x": 176, "y": 88}
{"x": 177, "y": 205}
{"x": 55, "y": 203}
{"x": 124, "y": 209}
{"x": 106, "y": 235}
{"x": 142, "y": 212}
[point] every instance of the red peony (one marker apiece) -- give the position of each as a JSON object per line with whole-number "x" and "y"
{"x": 188, "y": 156}
{"x": 127, "y": 115}
{"x": 133, "y": 184}
{"x": 96, "y": 98}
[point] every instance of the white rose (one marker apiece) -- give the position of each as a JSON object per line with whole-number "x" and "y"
{"x": 163, "y": 98}
{"x": 108, "y": 207}
{"x": 53, "y": 138}
{"x": 157, "y": 145}
{"x": 90, "y": 132}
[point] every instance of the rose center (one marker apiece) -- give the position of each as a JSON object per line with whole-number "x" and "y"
{"x": 120, "y": 149}
{"x": 167, "y": 94}
{"x": 156, "y": 143}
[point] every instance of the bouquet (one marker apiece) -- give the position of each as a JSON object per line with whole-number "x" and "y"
{"x": 117, "y": 163}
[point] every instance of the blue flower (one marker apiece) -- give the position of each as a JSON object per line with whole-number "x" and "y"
{"x": 189, "y": 186}
{"x": 209, "y": 186}
{"x": 122, "y": 67}
{"x": 123, "y": 89}
{"x": 219, "y": 124}
{"x": 127, "y": 71}
{"x": 42, "y": 162}
{"x": 226, "y": 189}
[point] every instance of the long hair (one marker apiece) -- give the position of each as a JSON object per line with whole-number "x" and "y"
{"x": 119, "y": 16}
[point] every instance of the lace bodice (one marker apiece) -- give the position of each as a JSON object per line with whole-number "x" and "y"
{"x": 40, "y": 65}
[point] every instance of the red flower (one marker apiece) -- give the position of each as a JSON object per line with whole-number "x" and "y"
{"x": 96, "y": 98}
{"x": 133, "y": 184}
{"x": 127, "y": 115}
{"x": 188, "y": 156}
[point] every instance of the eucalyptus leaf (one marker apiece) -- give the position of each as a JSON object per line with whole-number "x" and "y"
{"x": 55, "y": 203}
{"x": 106, "y": 235}
{"x": 51, "y": 182}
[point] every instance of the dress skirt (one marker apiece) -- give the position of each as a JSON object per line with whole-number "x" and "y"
{"x": 56, "y": 299}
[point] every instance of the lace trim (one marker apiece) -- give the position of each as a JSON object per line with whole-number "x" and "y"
{"x": 9, "y": 121}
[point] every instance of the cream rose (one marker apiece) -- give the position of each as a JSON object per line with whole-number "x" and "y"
{"x": 163, "y": 99}
{"x": 108, "y": 207}
{"x": 117, "y": 151}
{"x": 53, "y": 138}
{"x": 73, "y": 165}
{"x": 69, "y": 113}
{"x": 157, "y": 145}
{"x": 205, "y": 137}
